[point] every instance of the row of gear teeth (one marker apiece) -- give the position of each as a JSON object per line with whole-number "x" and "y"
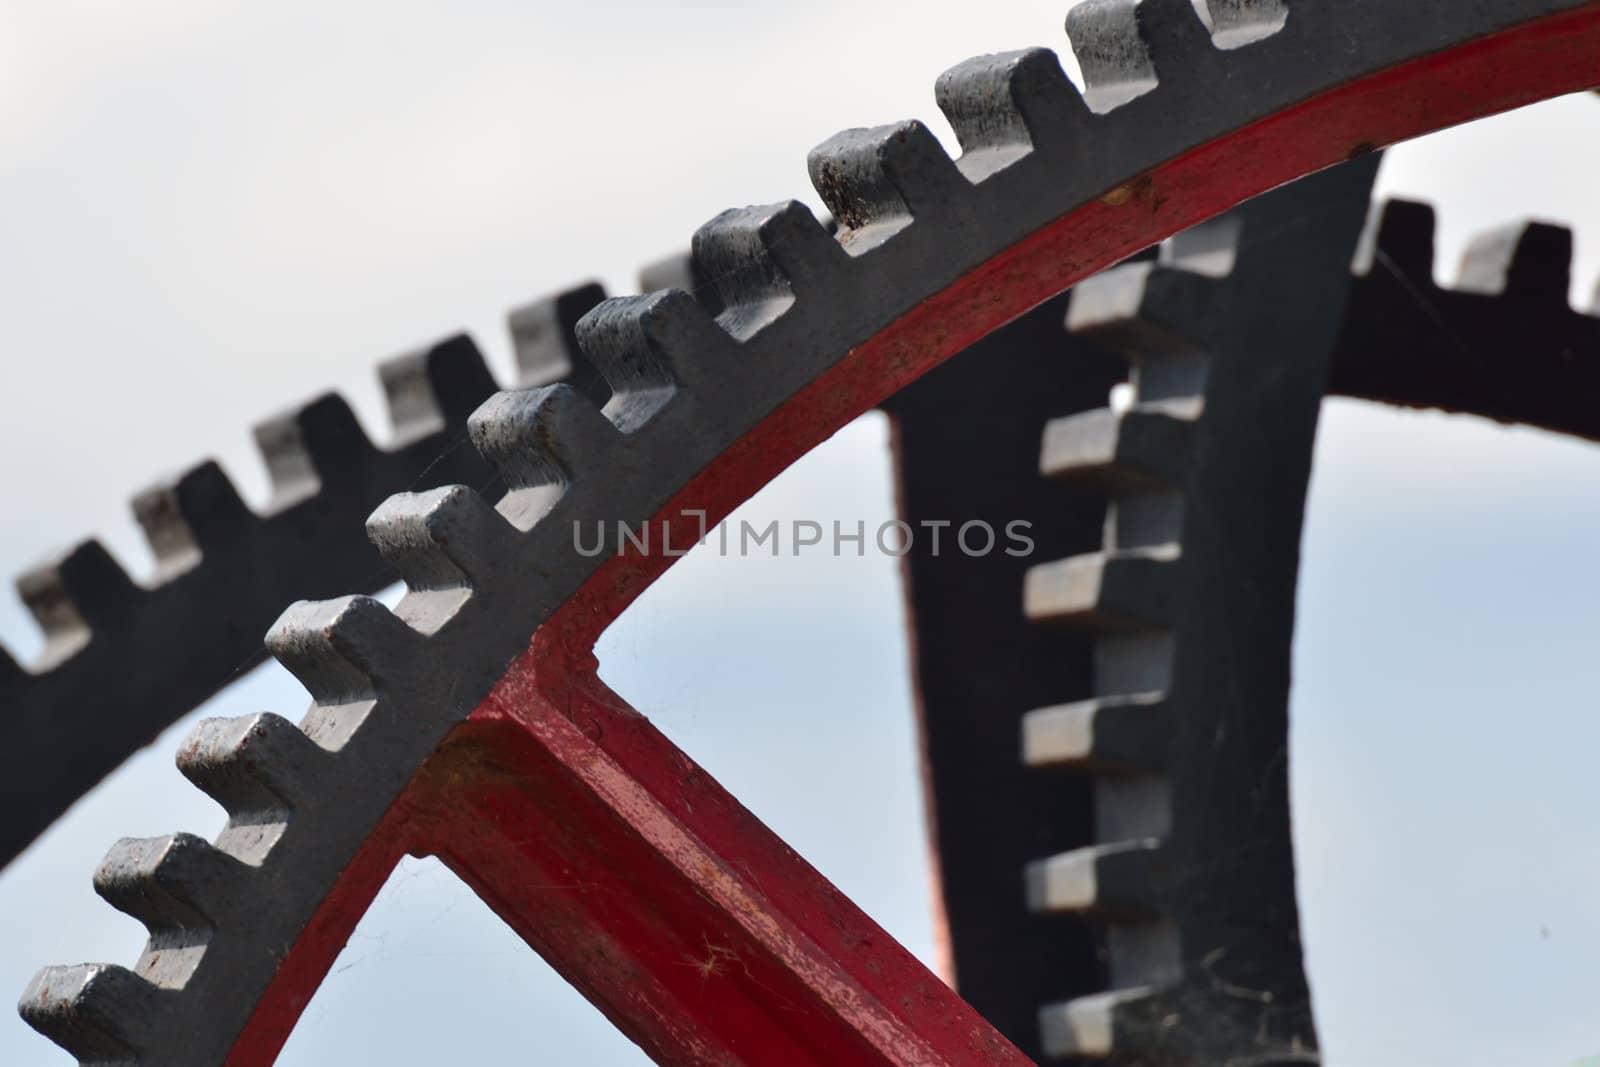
{"x": 1229, "y": 331}
{"x": 971, "y": 654}
{"x": 1404, "y": 338}
{"x": 224, "y": 571}
{"x": 686, "y": 386}
{"x": 1502, "y": 341}
{"x": 1127, "y": 596}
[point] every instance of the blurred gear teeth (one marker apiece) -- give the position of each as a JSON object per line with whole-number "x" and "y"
{"x": 185, "y": 519}
{"x": 1142, "y": 449}
{"x": 74, "y": 594}
{"x": 1164, "y": 725}
{"x": 678, "y": 271}
{"x": 1524, "y": 260}
{"x": 1114, "y": 881}
{"x": 1503, "y": 341}
{"x": 1156, "y": 312}
{"x": 1398, "y": 240}
{"x": 1085, "y": 1026}
{"x": 1108, "y": 735}
{"x": 1116, "y": 591}
{"x": 304, "y": 448}
{"x": 388, "y": 693}
{"x": 544, "y": 339}
{"x": 430, "y": 388}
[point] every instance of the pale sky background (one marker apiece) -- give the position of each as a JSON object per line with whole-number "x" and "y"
{"x": 209, "y": 211}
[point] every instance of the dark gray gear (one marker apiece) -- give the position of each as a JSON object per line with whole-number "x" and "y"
{"x": 388, "y": 685}
{"x": 1190, "y": 607}
{"x": 1510, "y": 347}
{"x": 1503, "y": 342}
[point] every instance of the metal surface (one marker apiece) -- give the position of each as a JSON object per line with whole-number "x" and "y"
{"x": 1254, "y": 346}
{"x": 224, "y": 572}
{"x": 1190, "y": 605}
{"x": 1512, "y": 349}
{"x": 1503, "y": 342}
{"x": 966, "y": 448}
{"x": 704, "y": 411}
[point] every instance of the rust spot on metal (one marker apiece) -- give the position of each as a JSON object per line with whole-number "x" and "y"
{"x": 1138, "y": 189}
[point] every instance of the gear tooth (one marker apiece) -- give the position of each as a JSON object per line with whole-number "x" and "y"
{"x": 875, "y": 181}
{"x": 186, "y": 518}
{"x": 1402, "y": 232}
{"x": 446, "y": 538}
{"x": 1086, "y": 1026}
{"x": 78, "y": 592}
{"x": 1141, "y": 449}
{"x": 102, "y": 1014}
{"x": 1117, "y": 735}
{"x": 342, "y": 650}
{"x": 545, "y": 340}
{"x": 1004, "y": 106}
{"x": 1209, "y": 249}
{"x": 1109, "y": 37}
{"x": 1236, "y": 23}
{"x": 175, "y": 882}
{"x": 252, "y": 763}
{"x": 759, "y": 259}
{"x": 678, "y": 271}
{"x": 1118, "y": 881}
{"x": 1138, "y": 1024}
{"x": 542, "y": 441}
{"x": 310, "y": 445}
{"x": 1146, "y": 309}
{"x": 1178, "y": 38}
{"x": 1111, "y": 592}
{"x": 1530, "y": 261}
{"x": 647, "y": 345}
{"x": 430, "y": 388}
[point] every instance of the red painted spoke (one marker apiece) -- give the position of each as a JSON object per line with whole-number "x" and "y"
{"x": 670, "y": 906}
{"x": 699, "y": 932}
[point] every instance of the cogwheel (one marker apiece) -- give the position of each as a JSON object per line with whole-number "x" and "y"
{"x": 1190, "y": 608}
{"x": 482, "y": 677}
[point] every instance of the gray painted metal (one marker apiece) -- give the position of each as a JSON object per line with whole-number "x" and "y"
{"x": 388, "y": 685}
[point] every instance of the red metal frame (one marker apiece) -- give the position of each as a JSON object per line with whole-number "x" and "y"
{"x": 690, "y": 924}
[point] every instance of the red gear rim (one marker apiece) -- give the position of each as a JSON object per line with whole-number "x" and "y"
{"x": 706, "y": 938}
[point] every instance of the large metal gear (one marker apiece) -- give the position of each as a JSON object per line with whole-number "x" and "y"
{"x": 977, "y": 654}
{"x": 811, "y": 331}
